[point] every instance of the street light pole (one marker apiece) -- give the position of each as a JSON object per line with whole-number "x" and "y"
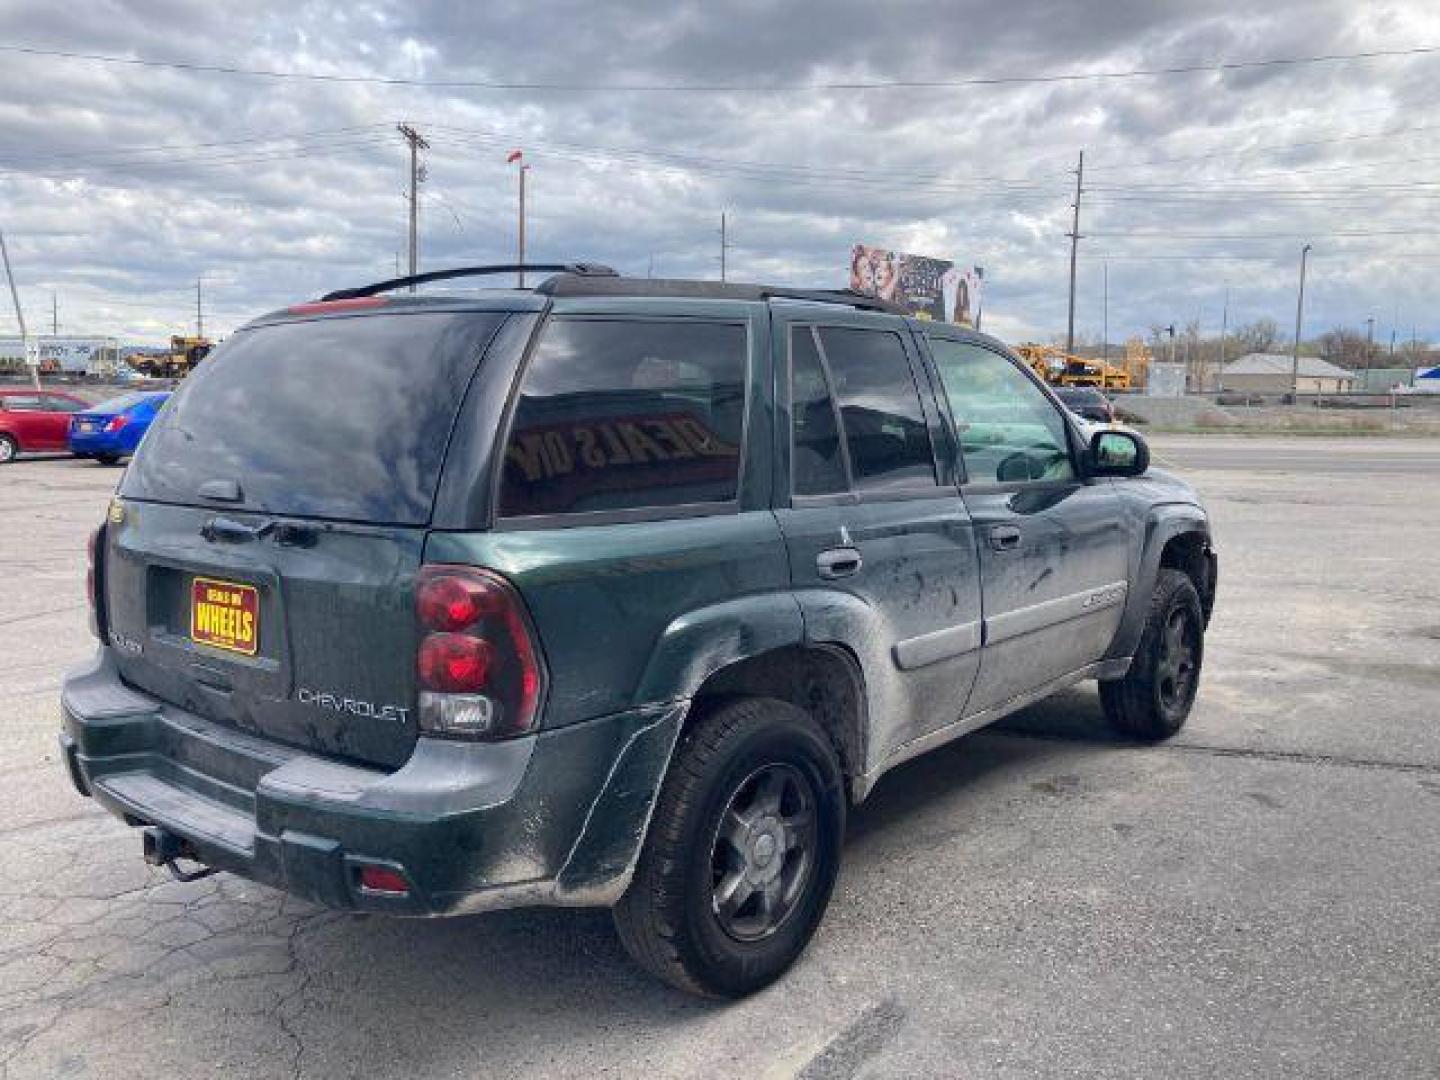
{"x": 1074, "y": 252}
{"x": 1224, "y": 329}
{"x": 1299, "y": 317}
{"x": 513, "y": 157}
{"x": 1105, "y": 323}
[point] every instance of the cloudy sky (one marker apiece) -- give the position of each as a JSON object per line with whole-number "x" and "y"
{"x": 121, "y": 183}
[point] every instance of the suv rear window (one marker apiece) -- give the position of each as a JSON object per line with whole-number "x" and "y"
{"x": 622, "y": 414}
{"x": 344, "y": 418}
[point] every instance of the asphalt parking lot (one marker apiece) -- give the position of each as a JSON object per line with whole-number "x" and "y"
{"x": 1260, "y": 897}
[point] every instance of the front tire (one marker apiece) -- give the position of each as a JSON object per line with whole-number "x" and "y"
{"x": 742, "y": 854}
{"x": 1153, "y": 700}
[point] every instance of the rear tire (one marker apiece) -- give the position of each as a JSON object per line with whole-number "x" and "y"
{"x": 107, "y": 459}
{"x": 9, "y": 449}
{"x": 742, "y": 853}
{"x": 1153, "y": 700}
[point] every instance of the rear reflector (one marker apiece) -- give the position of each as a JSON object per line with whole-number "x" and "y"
{"x": 117, "y": 423}
{"x": 323, "y": 307}
{"x": 382, "y": 879}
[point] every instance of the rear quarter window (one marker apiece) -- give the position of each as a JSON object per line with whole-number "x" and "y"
{"x": 627, "y": 414}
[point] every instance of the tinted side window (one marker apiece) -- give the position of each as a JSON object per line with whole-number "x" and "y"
{"x": 880, "y": 408}
{"x": 816, "y": 460}
{"x": 1009, "y": 431}
{"x": 23, "y": 403}
{"x": 56, "y": 403}
{"x": 623, "y": 414}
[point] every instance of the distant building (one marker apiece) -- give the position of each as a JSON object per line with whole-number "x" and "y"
{"x": 1270, "y": 373}
{"x": 1382, "y": 380}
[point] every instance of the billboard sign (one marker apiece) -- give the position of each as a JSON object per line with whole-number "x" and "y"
{"x": 69, "y": 354}
{"x": 927, "y": 288}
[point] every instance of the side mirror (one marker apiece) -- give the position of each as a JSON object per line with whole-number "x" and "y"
{"x": 1118, "y": 453}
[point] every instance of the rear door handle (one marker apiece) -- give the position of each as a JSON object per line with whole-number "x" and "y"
{"x": 1004, "y": 537}
{"x": 838, "y": 562}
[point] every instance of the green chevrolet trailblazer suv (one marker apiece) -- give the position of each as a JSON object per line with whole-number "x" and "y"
{"x": 613, "y": 593}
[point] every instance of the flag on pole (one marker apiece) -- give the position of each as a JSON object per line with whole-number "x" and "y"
{"x": 514, "y": 156}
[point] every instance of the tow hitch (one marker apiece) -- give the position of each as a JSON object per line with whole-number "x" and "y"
{"x": 163, "y": 848}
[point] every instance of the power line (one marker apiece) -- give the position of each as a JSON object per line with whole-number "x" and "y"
{"x": 1272, "y": 148}
{"x": 162, "y": 147}
{"x": 1168, "y": 234}
{"x": 1210, "y": 256}
{"x": 366, "y": 143}
{"x": 725, "y": 88}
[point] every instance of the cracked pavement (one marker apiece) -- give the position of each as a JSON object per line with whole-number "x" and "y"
{"x": 1259, "y": 898}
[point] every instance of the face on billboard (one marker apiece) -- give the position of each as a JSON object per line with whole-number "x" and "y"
{"x": 927, "y": 288}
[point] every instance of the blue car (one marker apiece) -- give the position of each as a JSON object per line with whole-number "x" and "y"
{"x": 113, "y": 429}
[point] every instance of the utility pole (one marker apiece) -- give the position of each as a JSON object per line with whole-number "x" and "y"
{"x": 1105, "y": 320}
{"x": 416, "y": 143}
{"x": 32, "y": 360}
{"x": 1074, "y": 251}
{"x": 1299, "y": 318}
{"x": 199, "y": 312}
{"x": 650, "y": 266}
{"x": 724, "y": 245}
{"x": 54, "y": 314}
{"x": 1370, "y": 341}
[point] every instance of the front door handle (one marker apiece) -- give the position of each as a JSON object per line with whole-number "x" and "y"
{"x": 838, "y": 562}
{"x": 1004, "y": 537}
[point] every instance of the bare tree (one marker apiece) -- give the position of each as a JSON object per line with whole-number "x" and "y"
{"x": 1260, "y": 336}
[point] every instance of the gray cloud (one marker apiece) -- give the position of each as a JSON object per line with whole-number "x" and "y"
{"x": 980, "y": 174}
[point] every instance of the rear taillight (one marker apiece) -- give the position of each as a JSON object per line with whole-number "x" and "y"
{"x": 117, "y": 422}
{"x": 94, "y": 554}
{"x": 477, "y": 665}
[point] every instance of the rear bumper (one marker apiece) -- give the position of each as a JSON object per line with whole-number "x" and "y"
{"x": 551, "y": 819}
{"x": 98, "y": 442}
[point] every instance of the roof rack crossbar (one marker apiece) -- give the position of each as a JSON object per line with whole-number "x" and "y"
{"x": 835, "y": 296}
{"x": 580, "y": 269}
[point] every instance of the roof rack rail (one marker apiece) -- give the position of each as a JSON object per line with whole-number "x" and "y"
{"x": 682, "y": 288}
{"x": 835, "y": 296}
{"x": 581, "y": 269}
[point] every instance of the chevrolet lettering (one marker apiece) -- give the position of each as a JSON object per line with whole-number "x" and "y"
{"x": 339, "y": 703}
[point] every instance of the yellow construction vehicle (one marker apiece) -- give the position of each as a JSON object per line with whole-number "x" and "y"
{"x": 185, "y": 353}
{"x": 1063, "y": 369}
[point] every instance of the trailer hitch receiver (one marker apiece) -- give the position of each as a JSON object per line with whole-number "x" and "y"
{"x": 163, "y": 848}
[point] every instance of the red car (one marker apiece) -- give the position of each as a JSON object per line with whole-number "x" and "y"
{"x": 32, "y": 420}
